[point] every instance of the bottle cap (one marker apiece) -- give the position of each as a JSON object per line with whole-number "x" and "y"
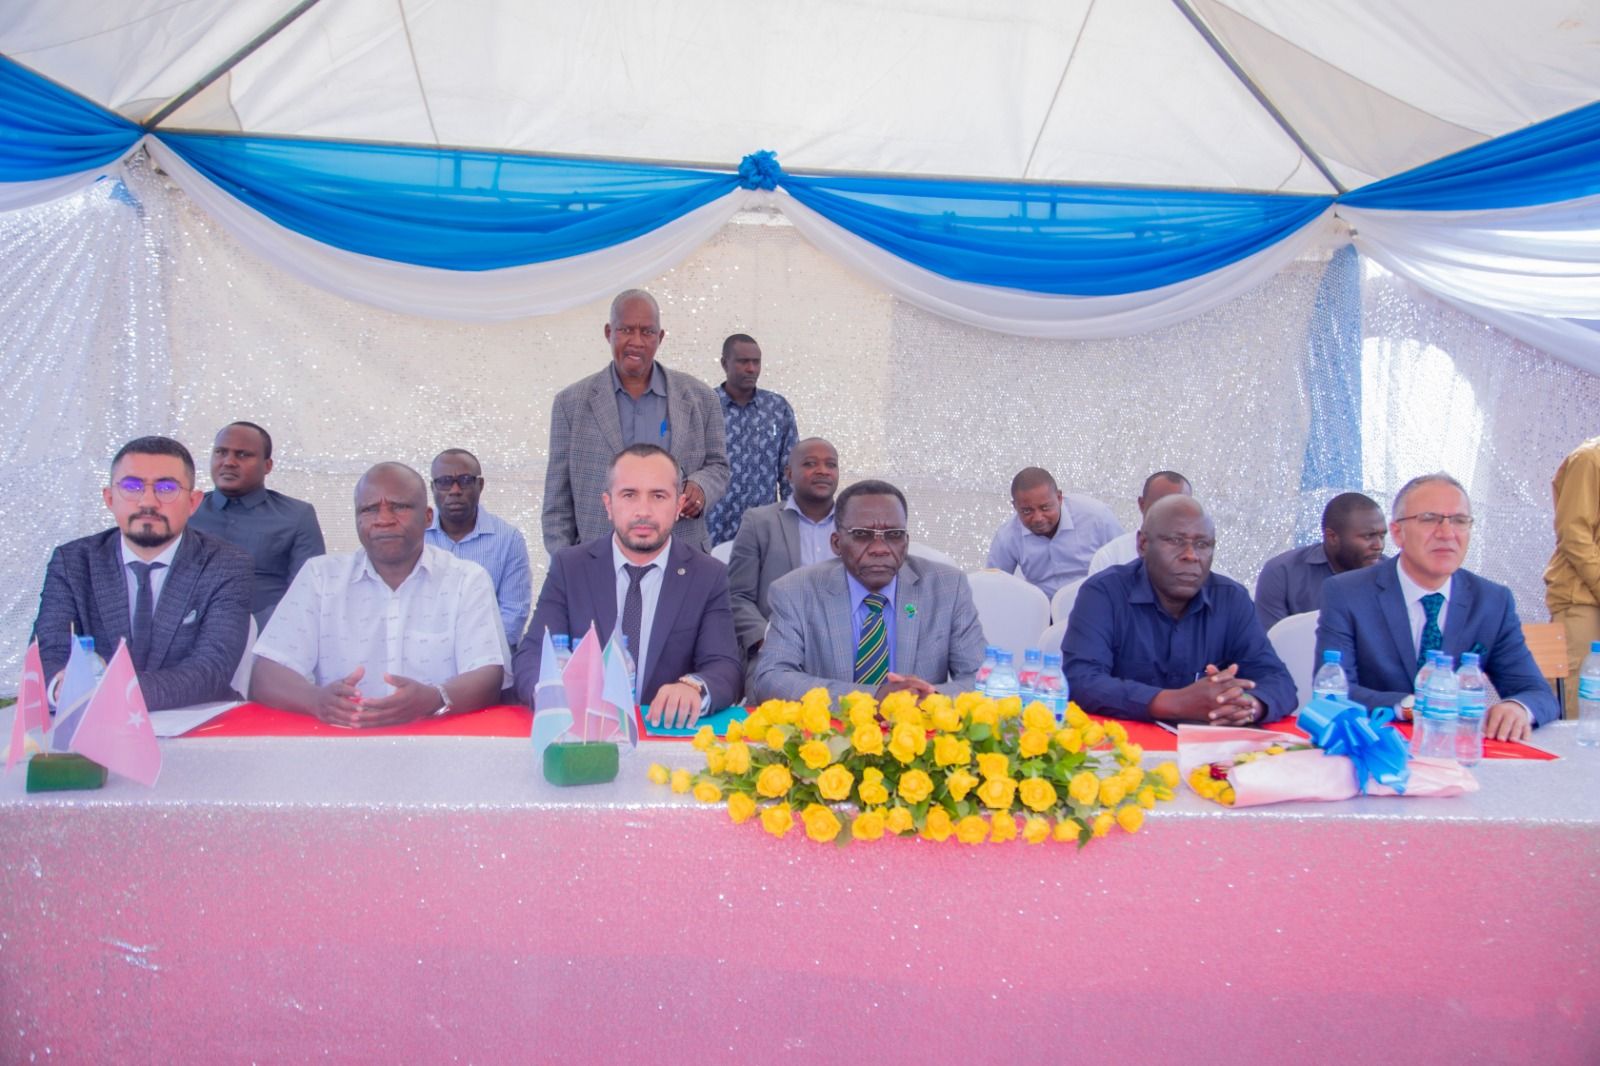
{"x": 1469, "y": 658}
{"x": 1331, "y": 655}
{"x": 1052, "y": 658}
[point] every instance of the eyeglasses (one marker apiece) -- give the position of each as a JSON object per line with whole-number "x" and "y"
{"x": 1433, "y": 520}
{"x": 892, "y": 537}
{"x": 1177, "y": 543}
{"x": 132, "y": 488}
{"x": 648, "y": 333}
{"x": 466, "y": 481}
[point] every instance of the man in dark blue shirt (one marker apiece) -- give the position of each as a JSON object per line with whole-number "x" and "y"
{"x": 279, "y": 532}
{"x": 1163, "y": 638}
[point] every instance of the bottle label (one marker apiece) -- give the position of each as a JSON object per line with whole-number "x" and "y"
{"x": 1589, "y": 688}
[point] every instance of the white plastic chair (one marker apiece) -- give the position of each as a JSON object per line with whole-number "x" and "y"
{"x": 723, "y": 552}
{"x": 1295, "y": 640}
{"x": 920, "y": 549}
{"x": 1061, "y": 603}
{"x": 241, "y": 676}
{"x": 1011, "y": 611}
{"x": 1050, "y": 640}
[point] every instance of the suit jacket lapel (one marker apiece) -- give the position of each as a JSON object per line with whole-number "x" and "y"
{"x": 176, "y": 593}
{"x": 836, "y": 617}
{"x": 603, "y": 406}
{"x": 1457, "y": 620}
{"x": 603, "y": 589}
{"x": 908, "y": 620}
{"x": 111, "y": 590}
{"x": 1392, "y": 602}
{"x": 674, "y": 585}
{"x": 789, "y": 523}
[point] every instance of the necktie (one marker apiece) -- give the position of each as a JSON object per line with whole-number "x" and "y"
{"x": 143, "y": 614}
{"x": 872, "y": 650}
{"x": 1432, "y": 636}
{"x": 633, "y": 608}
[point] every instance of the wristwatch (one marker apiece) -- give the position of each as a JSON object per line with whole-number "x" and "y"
{"x": 695, "y": 683}
{"x": 444, "y": 706}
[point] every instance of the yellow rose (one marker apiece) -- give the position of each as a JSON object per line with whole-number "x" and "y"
{"x": 736, "y": 760}
{"x": 1168, "y": 772}
{"x": 1067, "y": 830}
{"x": 822, "y": 825}
{"x": 815, "y": 719}
{"x": 785, "y": 712}
{"x": 1084, "y": 788}
{"x": 1070, "y": 740}
{"x": 960, "y": 782}
{"x": 716, "y": 758}
{"x": 1103, "y": 823}
{"x": 704, "y": 737}
{"x": 868, "y": 738}
{"x": 896, "y": 706}
{"x": 946, "y": 719}
{"x": 1036, "y": 830}
{"x": 707, "y": 791}
{"x": 776, "y": 736}
{"x": 986, "y": 713}
{"x": 861, "y": 709}
{"x": 835, "y": 783}
{"x": 934, "y": 701}
{"x": 740, "y": 807}
{"x": 1008, "y": 708}
{"x": 874, "y": 794}
{"x": 1129, "y": 754}
{"x": 815, "y": 754}
{"x": 951, "y": 751}
{"x": 867, "y": 826}
{"x": 736, "y": 730}
{"x": 1037, "y": 794}
{"x": 1093, "y": 734}
{"x": 1132, "y": 776}
{"x": 681, "y": 780}
{"x": 1003, "y": 827}
{"x": 1130, "y": 817}
{"x": 777, "y": 819}
{"x": 1075, "y": 716}
{"x": 972, "y": 829}
{"x": 1147, "y": 798}
{"x": 1037, "y": 716}
{"x": 756, "y": 724}
{"x": 992, "y": 764}
{"x": 915, "y": 786}
{"x": 907, "y": 742}
{"x": 1112, "y": 791}
{"x": 967, "y": 700}
{"x": 1033, "y": 742}
{"x": 773, "y": 781}
{"x": 938, "y": 825}
{"x": 899, "y": 820}
{"x": 657, "y": 773}
{"x": 1116, "y": 731}
{"x": 998, "y": 792}
{"x": 819, "y": 693}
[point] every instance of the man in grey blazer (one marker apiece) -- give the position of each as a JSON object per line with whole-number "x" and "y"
{"x": 635, "y": 400}
{"x": 179, "y": 597}
{"x": 779, "y": 537}
{"x": 873, "y": 619}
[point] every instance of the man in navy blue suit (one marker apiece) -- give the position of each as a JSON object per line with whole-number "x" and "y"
{"x": 670, "y": 597}
{"x": 1384, "y": 619}
{"x": 181, "y": 598}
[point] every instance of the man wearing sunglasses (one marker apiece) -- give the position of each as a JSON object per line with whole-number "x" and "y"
{"x": 1384, "y": 620}
{"x": 873, "y": 619}
{"x": 467, "y": 531}
{"x": 179, "y": 597}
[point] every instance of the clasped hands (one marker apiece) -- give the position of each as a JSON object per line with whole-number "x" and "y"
{"x": 1220, "y": 697}
{"x": 341, "y": 702}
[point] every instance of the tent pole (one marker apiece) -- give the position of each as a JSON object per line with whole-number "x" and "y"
{"x": 1255, "y": 90}
{"x": 228, "y": 64}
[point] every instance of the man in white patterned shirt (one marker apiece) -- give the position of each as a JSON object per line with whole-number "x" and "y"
{"x": 393, "y": 632}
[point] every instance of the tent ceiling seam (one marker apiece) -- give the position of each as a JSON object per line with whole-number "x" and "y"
{"x": 411, "y": 49}
{"x": 1255, "y": 90}
{"x": 1061, "y": 82}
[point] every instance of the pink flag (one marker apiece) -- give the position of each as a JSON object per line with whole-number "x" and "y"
{"x": 115, "y": 728}
{"x": 31, "y": 709}
{"x": 584, "y": 678}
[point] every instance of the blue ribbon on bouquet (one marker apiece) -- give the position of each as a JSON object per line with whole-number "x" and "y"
{"x": 1368, "y": 739}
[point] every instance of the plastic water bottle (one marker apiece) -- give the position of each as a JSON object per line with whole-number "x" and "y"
{"x": 1002, "y": 680}
{"x": 989, "y": 655}
{"x": 562, "y": 643}
{"x": 1589, "y": 698}
{"x": 1472, "y": 702}
{"x": 1330, "y": 679}
{"x": 633, "y": 669}
{"x": 1419, "y": 688}
{"x": 1437, "y": 720}
{"x": 1051, "y": 687}
{"x": 1028, "y": 676}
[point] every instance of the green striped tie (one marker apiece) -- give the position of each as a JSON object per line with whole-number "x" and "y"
{"x": 872, "y": 651}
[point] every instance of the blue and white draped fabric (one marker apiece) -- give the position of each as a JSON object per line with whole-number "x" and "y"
{"x": 53, "y": 142}
{"x": 1370, "y": 741}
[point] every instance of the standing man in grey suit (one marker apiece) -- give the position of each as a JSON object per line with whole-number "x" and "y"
{"x": 181, "y": 598}
{"x": 873, "y": 619}
{"x": 635, "y": 400}
{"x": 781, "y": 537}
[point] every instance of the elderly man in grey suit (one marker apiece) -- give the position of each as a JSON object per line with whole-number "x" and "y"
{"x": 873, "y": 619}
{"x": 635, "y": 400}
{"x": 779, "y": 537}
{"x": 179, "y": 597}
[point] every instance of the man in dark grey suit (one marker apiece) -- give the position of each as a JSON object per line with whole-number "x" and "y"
{"x": 635, "y": 400}
{"x": 670, "y": 600}
{"x": 779, "y": 537}
{"x": 873, "y": 619}
{"x": 179, "y": 597}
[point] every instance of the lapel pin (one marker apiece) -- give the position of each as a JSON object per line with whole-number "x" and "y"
{"x": 682, "y": 571}
{"x": 911, "y": 610}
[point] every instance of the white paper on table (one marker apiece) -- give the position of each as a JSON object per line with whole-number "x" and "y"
{"x": 180, "y": 720}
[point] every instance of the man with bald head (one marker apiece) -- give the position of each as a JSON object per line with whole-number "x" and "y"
{"x": 1053, "y": 534}
{"x": 1164, "y": 639}
{"x": 1125, "y": 549}
{"x": 395, "y": 631}
{"x": 635, "y": 400}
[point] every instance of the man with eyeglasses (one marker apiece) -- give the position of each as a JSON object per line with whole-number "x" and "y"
{"x": 635, "y": 400}
{"x": 179, "y": 597}
{"x": 280, "y": 532}
{"x": 1053, "y": 535}
{"x": 1384, "y": 620}
{"x": 875, "y": 619}
{"x": 464, "y": 529}
{"x": 1165, "y": 639}
{"x": 1352, "y": 538}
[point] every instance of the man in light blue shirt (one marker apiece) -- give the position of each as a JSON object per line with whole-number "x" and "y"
{"x": 1053, "y": 535}
{"x": 468, "y": 532}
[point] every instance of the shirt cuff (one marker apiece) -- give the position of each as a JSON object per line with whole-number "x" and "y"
{"x": 705, "y": 692}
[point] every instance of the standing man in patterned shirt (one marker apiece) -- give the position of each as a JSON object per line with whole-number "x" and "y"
{"x": 760, "y": 432}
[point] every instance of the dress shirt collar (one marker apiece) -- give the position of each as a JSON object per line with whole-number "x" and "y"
{"x": 1317, "y": 555}
{"x": 1144, "y": 592}
{"x": 859, "y": 592}
{"x": 1414, "y": 592}
{"x": 480, "y": 528}
{"x": 790, "y": 505}
{"x": 250, "y": 500}
{"x": 618, "y": 560}
{"x": 427, "y": 562}
{"x": 658, "y": 381}
{"x": 165, "y": 558}
{"x": 729, "y": 401}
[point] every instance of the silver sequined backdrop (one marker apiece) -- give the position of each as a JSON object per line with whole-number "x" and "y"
{"x": 127, "y": 314}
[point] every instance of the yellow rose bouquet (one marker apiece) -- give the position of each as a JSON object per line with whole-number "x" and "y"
{"x": 968, "y": 767}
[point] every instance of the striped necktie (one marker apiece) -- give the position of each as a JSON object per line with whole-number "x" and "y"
{"x": 872, "y": 650}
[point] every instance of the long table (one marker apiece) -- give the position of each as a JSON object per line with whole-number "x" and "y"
{"x": 427, "y": 899}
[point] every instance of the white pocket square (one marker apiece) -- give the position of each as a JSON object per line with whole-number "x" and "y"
{"x": 189, "y": 618}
